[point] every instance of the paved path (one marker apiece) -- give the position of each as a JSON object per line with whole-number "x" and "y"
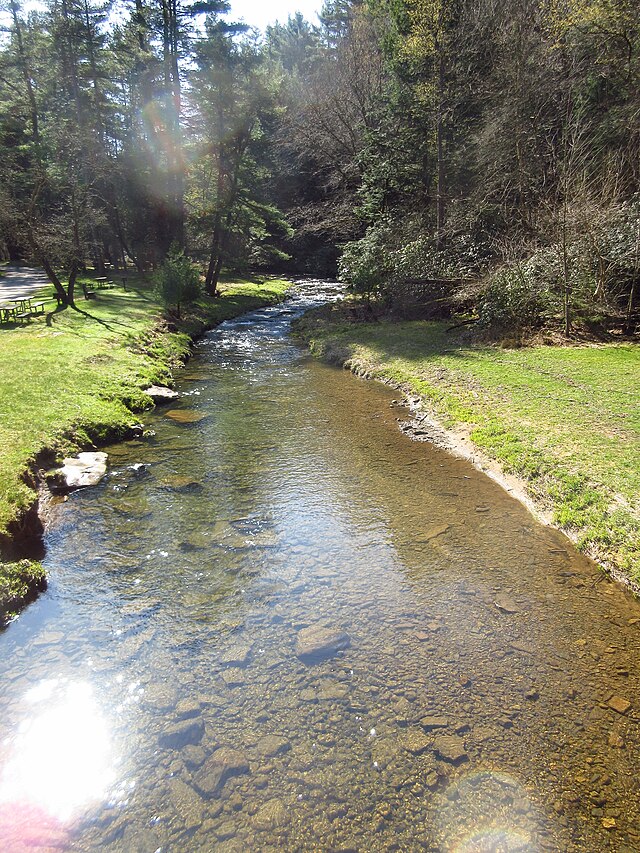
{"x": 21, "y": 281}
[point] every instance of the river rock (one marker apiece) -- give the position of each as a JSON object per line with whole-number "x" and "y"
{"x": 316, "y": 643}
{"x": 161, "y": 394}
{"x": 185, "y": 416}
{"x": 87, "y": 469}
{"x": 416, "y": 742}
{"x": 433, "y": 532}
{"x": 187, "y": 803}
{"x": 187, "y": 709}
{"x": 450, "y": 748}
{"x": 222, "y": 765}
{"x": 178, "y": 735}
{"x": 432, "y": 721}
{"x": 619, "y": 704}
{"x": 271, "y": 745}
{"x": 181, "y": 484}
{"x": 236, "y": 655}
{"x": 272, "y": 815}
{"x": 506, "y": 604}
{"x": 160, "y": 697}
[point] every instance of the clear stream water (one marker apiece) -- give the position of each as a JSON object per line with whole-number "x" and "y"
{"x": 154, "y": 700}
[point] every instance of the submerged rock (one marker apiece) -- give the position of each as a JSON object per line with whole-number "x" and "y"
{"x": 181, "y": 484}
{"x": 434, "y": 721}
{"x": 271, "y": 745}
{"x": 236, "y": 655}
{"x": 506, "y": 604}
{"x": 186, "y": 802}
{"x": 87, "y": 469}
{"x": 619, "y": 704}
{"x": 316, "y": 643}
{"x": 450, "y": 748}
{"x": 271, "y": 815}
{"x": 224, "y": 763}
{"x": 161, "y": 394}
{"x": 180, "y": 734}
{"x": 416, "y": 742}
{"x": 185, "y": 416}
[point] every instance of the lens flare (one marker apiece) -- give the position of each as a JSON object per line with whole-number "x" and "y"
{"x": 59, "y": 761}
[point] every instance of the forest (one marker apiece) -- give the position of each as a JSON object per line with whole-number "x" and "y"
{"x": 469, "y": 158}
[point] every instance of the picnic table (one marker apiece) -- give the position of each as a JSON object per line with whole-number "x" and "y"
{"x": 7, "y": 311}
{"x": 21, "y": 308}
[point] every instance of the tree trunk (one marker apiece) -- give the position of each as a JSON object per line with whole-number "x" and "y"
{"x": 53, "y": 278}
{"x": 213, "y": 270}
{"x": 440, "y": 202}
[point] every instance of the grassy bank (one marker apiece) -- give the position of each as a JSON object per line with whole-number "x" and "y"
{"x": 77, "y": 380}
{"x": 564, "y": 419}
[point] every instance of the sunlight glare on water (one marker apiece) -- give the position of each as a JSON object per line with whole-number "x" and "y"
{"x": 62, "y": 759}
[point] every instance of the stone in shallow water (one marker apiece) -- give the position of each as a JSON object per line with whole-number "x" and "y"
{"x": 179, "y": 483}
{"x": 450, "y": 748}
{"x": 233, "y": 677}
{"x": 236, "y": 655}
{"x": 185, "y": 416}
{"x": 87, "y": 469}
{"x": 415, "y": 741}
{"x": 331, "y": 692}
{"x": 506, "y": 604}
{"x": 619, "y": 704}
{"x": 186, "y": 709}
{"x": 160, "y": 697}
{"x": 178, "y": 735}
{"x": 222, "y": 765}
{"x": 187, "y": 803}
{"x": 271, "y": 745}
{"x": 160, "y": 393}
{"x": 432, "y": 721}
{"x": 316, "y": 643}
{"x": 272, "y": 815}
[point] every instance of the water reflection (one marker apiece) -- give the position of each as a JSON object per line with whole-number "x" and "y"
{"x": 59, "y": 762}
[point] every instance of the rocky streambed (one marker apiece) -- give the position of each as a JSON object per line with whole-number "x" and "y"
{"x": 283, "y": 625}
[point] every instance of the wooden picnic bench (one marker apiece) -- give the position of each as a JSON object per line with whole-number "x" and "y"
{"x": 22, "y": 309}
{"x": 7, "y": 311}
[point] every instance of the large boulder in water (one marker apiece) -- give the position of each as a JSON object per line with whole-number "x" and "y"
{"x": 87, "y": 469}
{"x": 317, "y": 643}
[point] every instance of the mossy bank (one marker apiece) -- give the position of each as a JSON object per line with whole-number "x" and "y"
{"x": 75, "y": 380}
{"x": 564, "y": 420}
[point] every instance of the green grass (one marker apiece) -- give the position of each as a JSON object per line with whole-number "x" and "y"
{"x": 19, "y": 583}
{"x": 78, "y": 380}
{"x": 565, "y": 419}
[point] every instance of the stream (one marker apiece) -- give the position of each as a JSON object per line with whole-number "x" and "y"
{"x": 279, "y": 624}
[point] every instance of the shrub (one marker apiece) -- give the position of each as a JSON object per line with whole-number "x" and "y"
{"x": 178, "y": 279}
{"x": 522, "y": 295}
{"x": 365, "y": 264}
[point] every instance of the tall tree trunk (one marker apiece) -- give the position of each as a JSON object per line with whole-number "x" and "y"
{"x": 53, "y": 278}
{"x": 213, "y": 270}
{"x": 440, "y": 197}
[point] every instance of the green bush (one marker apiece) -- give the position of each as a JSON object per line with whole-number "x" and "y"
{"x": 522, "y": 295}
{"x": 178, "y": 280}
{"x": 365, "y": 264}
